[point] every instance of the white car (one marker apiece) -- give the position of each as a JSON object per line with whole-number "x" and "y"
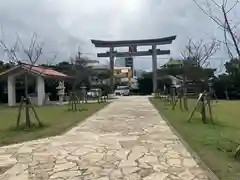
{"x": 93, "y": 93}
{"x": 122, "y": 91}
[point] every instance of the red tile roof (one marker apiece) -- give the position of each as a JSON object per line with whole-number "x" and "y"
{"x": 44, "y": 71}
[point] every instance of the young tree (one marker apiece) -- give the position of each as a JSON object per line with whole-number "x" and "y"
{"x": 33, "y": 53}
{"x": 196, "y": 59}
{"x": 222, "y": 14}
{"x": 196, "y": 66}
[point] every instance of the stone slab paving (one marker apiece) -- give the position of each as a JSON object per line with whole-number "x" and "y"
{"x": 127, "y": 140}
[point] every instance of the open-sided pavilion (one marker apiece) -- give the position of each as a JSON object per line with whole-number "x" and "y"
{"x": 132, "y": 45}
{"x": 38, "y": 72}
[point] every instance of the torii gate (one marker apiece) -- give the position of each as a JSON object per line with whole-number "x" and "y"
{"x": 133, "y": 45}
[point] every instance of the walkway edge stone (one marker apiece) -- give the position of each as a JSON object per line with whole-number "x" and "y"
{"x": 199, "y": 161}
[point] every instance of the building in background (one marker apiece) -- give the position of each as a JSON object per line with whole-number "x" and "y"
{"x": 123, "y": 75}
{"x": 172, "y": 63}
{"x": 129, "y": 63}
{"x": 120, "y": 62}
{"x": 126, "y": 61}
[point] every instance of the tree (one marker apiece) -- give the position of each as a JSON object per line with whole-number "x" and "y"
{"x": 81, "y": 73}
{"x": 145, "y": 83}
{"x": 196, "y": 68}
{"x": 233, "y": 67}
{"x": 231, "y": 79}
{"x": 196, "y": 59}
{"x": 220, "y": 14}
{"x": 81, "y": 70}
{"x": 100, "y": 76}
{"x": 197, "y": 53}
{"x": 33, "y": 53}
{"x": 223, "y": 85}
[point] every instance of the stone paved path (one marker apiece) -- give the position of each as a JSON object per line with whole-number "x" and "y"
{"x": 128, "y": 140}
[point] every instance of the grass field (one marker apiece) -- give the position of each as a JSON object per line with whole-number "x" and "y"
{"x": 215, "y": 144}
{"x": 56, "y": 120}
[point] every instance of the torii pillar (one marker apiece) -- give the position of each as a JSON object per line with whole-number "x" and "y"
{"x": 112, "y": 70}
{"x": 154, "y": 68}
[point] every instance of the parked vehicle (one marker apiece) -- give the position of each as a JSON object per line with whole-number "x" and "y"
{"x": 93, "y": 93}
{"x": 122, "y": 91}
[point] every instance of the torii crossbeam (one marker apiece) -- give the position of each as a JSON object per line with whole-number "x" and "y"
{"x": 134, "y": 44}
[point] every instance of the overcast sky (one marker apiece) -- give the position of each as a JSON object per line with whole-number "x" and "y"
{"x": 64, "y": 24}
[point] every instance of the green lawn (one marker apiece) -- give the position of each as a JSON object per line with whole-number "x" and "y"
{"x": 56, "y": 120}
{"x": 215, "y": 144}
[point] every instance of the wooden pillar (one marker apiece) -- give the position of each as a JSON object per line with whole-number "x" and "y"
{"x": 154, "y": 67}
{"x": 111, "y": 70}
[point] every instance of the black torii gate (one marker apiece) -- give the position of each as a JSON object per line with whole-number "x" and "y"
{"x": 133, "y": 44}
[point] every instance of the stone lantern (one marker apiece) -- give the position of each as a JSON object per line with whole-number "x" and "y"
{"x": 61, "y": 91}
{"x": 83, "y": 92}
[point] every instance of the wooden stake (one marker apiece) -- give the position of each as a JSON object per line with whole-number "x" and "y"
{"x": 34, "y": 112}
{"x": 226, "y": 93}
{"x": 174, "y": 95}
{"x": 28, "y": 121}
{"x": 185, "y": 94}
{"x": 203, "y": 110}
{"x": 20, "y": 111}
{"x": 237, "y": 154}
{"x": 180, "y": 101}
{"x": 210, "y": 109}
{"x": 175, "y": 104}
{"x": 195, "y": 108}
{"x": 215, "y": 96}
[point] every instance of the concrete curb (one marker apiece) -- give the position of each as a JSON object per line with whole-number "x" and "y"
{"x": 204, "y": 167}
